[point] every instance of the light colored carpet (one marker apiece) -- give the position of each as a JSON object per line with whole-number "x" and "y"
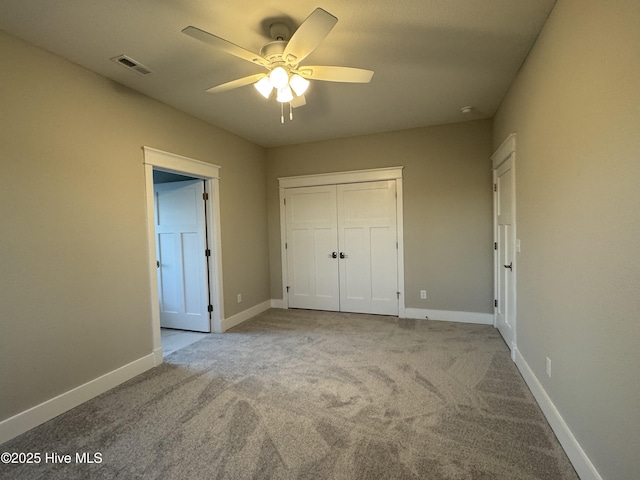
{"x": 295, "y": 394}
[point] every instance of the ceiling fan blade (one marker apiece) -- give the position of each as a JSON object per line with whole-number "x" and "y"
{"x": 308, "y": 36}
{"x": 336, "y": 74}
{"x": 298, "y": 101}
{"x": 224, "y": 45}
{"x": 240, "y": 82}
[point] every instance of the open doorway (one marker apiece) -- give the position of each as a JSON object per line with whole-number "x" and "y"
{"x": 182, "y": 259}
{"x": 182, "y": 263}
{"x": 170, "y": 164}
{"x": 173, "y": 340}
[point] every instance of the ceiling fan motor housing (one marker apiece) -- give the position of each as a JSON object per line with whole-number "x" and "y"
{"x": 272, "y": 51}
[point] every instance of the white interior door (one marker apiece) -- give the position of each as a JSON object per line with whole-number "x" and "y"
{"x": 505, "y": 255}
{"x": 312, "y": 248}
{"x": 341, "y": 247}
{"x": 180, "y": 245}
{"x": 367, "y": 234}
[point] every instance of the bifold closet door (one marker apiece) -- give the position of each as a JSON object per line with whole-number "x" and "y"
{"x": 367, "y": 237}
{"x": 312, "y": 241}
{"x": 341, "y": 247}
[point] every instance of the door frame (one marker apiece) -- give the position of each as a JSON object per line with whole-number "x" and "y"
{"x": 337, "y": 178}
{"x": 506, "y": 151}
{"x": 169, "y": 162}
{"x": 199, "y": 321}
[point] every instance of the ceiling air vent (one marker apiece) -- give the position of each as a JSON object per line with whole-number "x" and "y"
{"x": 131, "y": 64}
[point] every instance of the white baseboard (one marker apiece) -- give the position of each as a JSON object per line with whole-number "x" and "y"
{"x": 577, "y": 456}
{"x": 24, "y": 421}
{"x": 245, "y": 315}
{"x": 277, "y": 303}
{"x": 450, "y": 316}
{"x": 419, "y": 313}
{"x": 157, "y": 357}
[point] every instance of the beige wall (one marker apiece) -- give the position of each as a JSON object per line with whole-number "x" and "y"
{"x": 575, "y": 107}
{"x": 447, "y": 206}
{"x": 74, "y": 285}
{"x": 74, "y": 293}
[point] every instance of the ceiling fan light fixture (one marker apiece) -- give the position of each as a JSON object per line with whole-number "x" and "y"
{"x": 282, "y": 57}
{"x": 264, "y": 87}
{"x": 299, "y": 84}
{"x": 279, "y": 77}
{"x": 284, "y": 95}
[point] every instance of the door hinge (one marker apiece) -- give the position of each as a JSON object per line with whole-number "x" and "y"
{"x": 207, "y": 253}
{"x": 495, "y": 303}
{"x": 210, "y": 308}
{"x": 285, "y": 201}
{"x": 398, "y": 293}
{"x": 286, "y": 246}
{"x": 205, "y": 196}
{"x": 396, "y": 245}
{"x": 495, "y": 187}
{"x": 495, "y": 245}
{"x": 287, "y": 288}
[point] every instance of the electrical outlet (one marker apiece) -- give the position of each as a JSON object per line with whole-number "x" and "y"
{"x": 548, "y": 367}
{"x": 239, "y": 297}
{"x": 423, "y": 294}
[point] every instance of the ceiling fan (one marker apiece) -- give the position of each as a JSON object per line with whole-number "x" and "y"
{"x": 282, "y": 57}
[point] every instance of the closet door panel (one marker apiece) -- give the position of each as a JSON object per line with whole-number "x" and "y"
{"x": 367, "y": 234}
{"x": 356, "y": 276}
{"x": 311, "y": 239}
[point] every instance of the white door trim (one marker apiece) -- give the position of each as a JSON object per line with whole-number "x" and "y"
{"x": 504, "y": 151}
{"x": 507, "y": 150}
{"x": 400, "y": 238}
{"x": 169, "y": 162}
{"x": 337, "y": 178}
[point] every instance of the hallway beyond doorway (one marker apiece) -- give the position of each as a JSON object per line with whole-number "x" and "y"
{"x": 173, "y": 340}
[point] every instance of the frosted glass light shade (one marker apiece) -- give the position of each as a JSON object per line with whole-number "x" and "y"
{"x": 299, "y": 84}
{"x": 279, "y": 77}
{"x": 284, "y": 95}
{"x": 264, "y": 87}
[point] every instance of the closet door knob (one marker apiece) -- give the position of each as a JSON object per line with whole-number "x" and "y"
{"x": 510, "y": 266}
{"x": 333, "y": 255}
{"x": 342, "y": 255}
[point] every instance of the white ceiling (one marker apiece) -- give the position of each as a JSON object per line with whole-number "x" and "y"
{"x": 430, "y": 57}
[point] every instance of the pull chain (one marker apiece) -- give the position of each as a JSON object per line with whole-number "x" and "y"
{"x": 282, "y": 112}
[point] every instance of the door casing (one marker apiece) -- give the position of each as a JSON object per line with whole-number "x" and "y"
{"x": 169, "y": 162}
{"x": 337, "y": 178}
{"x": 506, "y": 152}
